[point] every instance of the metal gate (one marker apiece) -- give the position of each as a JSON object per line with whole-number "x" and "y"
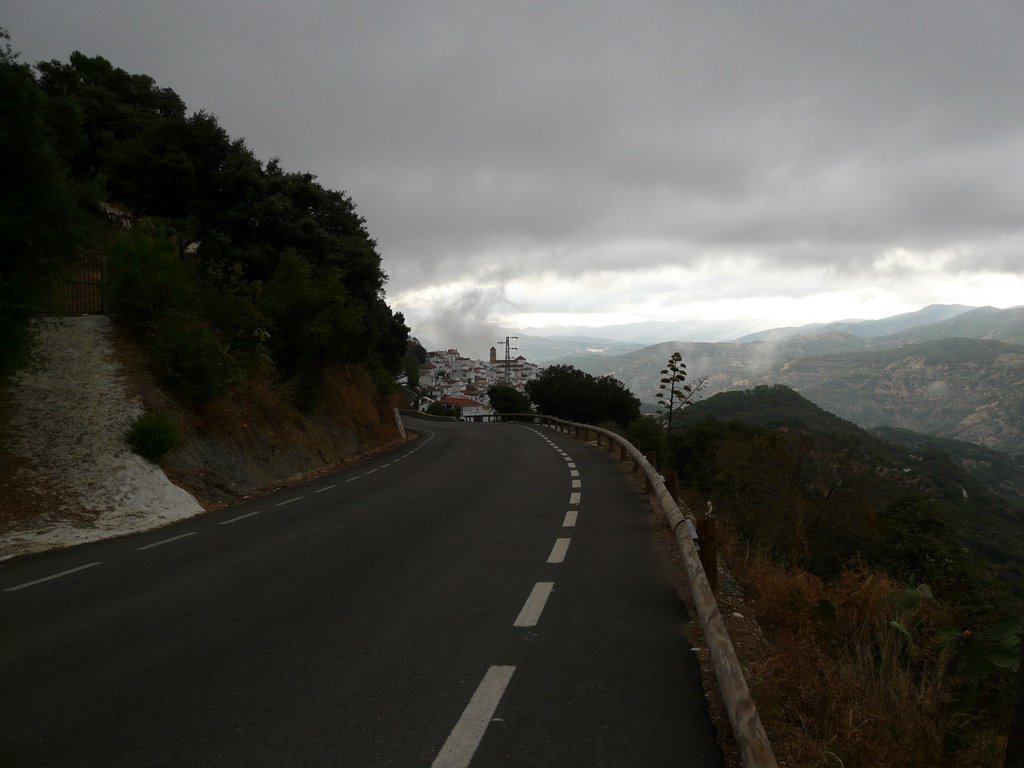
{"x": 78, "y": 289}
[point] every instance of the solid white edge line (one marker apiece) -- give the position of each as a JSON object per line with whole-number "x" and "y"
{"x": 570, "y": 519}
{"x": 240, "y": 517}
{"x": 463, "y": 741}
{"x": 559, "y": 550}
{"x": 166, "y": 541}
{"x": 534, "y": 605}
{"x": 52, "y": 577}
{"x": 574, "y": 498}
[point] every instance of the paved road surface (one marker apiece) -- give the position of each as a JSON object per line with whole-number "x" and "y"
{"x": 487, "y": 595}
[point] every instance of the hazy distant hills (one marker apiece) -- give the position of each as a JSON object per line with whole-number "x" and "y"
{"x": 981, "y": 323}
{"x": 541, "y": 349}
{"x": 963, "y": 389}
{"x": 950, "y": 371}
{"x": 932, "y": 314}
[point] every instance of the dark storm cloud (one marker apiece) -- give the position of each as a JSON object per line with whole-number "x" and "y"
{"x": 793, "y": 132}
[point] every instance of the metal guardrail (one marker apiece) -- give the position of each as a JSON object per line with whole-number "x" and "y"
{"x": 751, "y": 739}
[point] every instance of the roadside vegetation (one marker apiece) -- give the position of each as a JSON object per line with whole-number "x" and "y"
{"x": 887, "y": 579}
{"x": 153, "y": 435}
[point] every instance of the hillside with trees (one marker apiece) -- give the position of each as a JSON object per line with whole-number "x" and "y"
{"x": 245, "y": 284}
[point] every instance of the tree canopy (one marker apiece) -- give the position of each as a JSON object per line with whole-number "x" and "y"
{"x": 566, "y": 392}
{"x": 506, "y": 399}
{"x": 269, "y": 264}
{"x": 38, "y": 215}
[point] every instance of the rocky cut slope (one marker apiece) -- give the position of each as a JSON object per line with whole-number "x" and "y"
{"x": 67, "y": 475}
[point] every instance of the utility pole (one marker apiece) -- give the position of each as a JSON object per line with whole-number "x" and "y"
{"x": 508, "y": 356}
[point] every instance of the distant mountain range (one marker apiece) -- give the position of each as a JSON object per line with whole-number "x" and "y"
{"x": 935, "y": 313}
{"x": 947, "y": 370}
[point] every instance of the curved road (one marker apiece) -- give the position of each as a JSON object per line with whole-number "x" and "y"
{"x": 487, "y": 595}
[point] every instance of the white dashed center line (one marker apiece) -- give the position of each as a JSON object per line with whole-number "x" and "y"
{"x": 166, "y": 541}
{"x": 292, "y": 500}
{"x": 558, "y": 551}
{"x": 570, "y": 519}
{"x": 465, "y": 737}
{"x": 240, "y": 517}
{"x": 574, "y": 498}
{"x": 534, "y": 606}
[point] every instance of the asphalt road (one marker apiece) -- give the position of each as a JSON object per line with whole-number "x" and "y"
{"x": 487, "y": 595}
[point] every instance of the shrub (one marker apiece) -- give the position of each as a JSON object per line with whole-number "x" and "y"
{"x": 191, "y": 356}
{"x": 153, "y": 435}
{"x": 147, "y": 277}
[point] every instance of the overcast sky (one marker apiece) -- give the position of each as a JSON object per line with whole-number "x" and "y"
{"x": 736, "y": 165}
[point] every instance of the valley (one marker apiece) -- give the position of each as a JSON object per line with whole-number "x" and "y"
{"x": 960, "y": 377}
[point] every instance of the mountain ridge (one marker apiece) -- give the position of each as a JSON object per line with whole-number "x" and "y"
{"x": 960, "y": 356}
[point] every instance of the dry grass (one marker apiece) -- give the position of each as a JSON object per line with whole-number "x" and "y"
{"x": 856, "y": 673}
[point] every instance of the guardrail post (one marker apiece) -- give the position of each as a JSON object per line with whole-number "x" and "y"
{"x": 708, "y": 551}
{"x": 672, "y": 482}
{"x": 650, "y": 456}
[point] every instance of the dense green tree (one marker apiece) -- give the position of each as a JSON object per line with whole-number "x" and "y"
{"x": 506, "y": 399}
{"x": 415, "y": 356}
{"x": 616, "y": 400}
{"x": 38, "y": 214}
{"x": 569, "y": 393}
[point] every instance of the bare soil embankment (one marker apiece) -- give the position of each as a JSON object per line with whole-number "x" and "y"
{"x": 67, "y": 476}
